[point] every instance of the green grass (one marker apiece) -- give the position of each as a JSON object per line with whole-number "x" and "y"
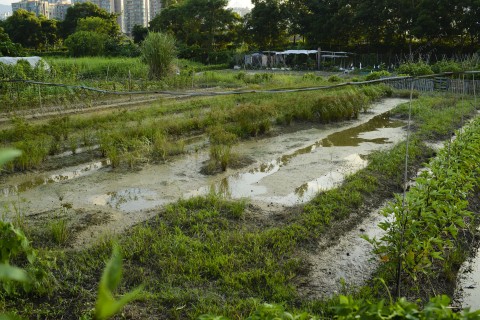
{"x": 126, "y": 74}
{"x": 152, "y": 133}
{"x": 436, "y": 118}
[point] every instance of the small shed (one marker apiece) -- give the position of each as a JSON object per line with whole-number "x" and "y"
{"x": 256, "y": 60}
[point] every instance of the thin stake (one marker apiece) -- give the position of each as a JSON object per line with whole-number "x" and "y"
{"x": 474, "y": 93}
{"x": 405, "y": 180}
{"x": 130, "y": 83}
{"x": 40, "y": 97}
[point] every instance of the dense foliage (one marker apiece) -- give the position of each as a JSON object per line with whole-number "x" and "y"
{"x": 207, "y": 31}
{"x": 202, "y": 27}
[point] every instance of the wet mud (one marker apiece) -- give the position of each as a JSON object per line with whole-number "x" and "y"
{"x": 289, "y": 168}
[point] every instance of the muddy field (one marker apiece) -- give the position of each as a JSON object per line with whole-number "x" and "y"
{"x": 288, "y": 168}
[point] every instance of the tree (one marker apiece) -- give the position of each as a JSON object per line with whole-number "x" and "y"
{"x": 86, "y": 43}
{"x": 25, "y": 28}
{"x": 7, "y": 47}
{"x": 469, "y": 24}
{"x": 434, "y": 19}
{"x": 49, "y": 31}
{"x": 201, "y": 26}
{"x": 94, "y": 24}
{"x": 266, "y": 24}
{"x": 158, "y": 51}
{"x": 139, "y": 33}
{"x": 84, "y": 10}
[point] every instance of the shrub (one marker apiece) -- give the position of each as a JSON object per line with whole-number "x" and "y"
{"x": 159, "y": 52}
{"x": 221, "y": 143}
{"x": 86, "y": 43}
{"x": 415, "y": 69}
{"x": 334, "y": 78}
{"x": 446, "y": 66}
{"x": 377, "y": 75}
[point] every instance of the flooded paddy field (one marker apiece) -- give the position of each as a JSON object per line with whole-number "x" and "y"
{"x": 288, "y": 169}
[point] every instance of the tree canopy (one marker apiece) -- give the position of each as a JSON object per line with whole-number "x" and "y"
{"x": 7, "y": 47}
{"x": 88, "y": 10}
{"x": 200, "y": 26}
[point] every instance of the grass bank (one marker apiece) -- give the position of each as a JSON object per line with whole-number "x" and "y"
{"x": 130, "y": 138}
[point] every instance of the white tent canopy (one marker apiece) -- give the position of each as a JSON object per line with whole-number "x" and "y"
{"x": 287, "y": 52}
{"x": 33, "y": 61}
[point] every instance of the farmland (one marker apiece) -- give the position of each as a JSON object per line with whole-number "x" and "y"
{"x": 221, "y": 203}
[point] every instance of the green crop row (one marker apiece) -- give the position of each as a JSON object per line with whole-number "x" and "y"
{"x": 426, "y": 237}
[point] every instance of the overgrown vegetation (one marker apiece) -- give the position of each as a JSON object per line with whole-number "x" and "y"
{"x": 151, "y": 134}
{"x": 159, "y": 52}
{"x": 432, "y": 228}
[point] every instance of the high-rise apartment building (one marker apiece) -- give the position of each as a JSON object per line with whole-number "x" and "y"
{"x": 39, "y": 7}
{"x": 155, "y": 7}
{"x": 129, "y": 12}
{"x": 58, "y": 10}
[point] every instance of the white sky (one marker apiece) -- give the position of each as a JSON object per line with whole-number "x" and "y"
{"x": 232, "y": 3}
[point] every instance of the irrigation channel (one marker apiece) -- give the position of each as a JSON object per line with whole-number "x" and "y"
{"x": 288, "y": 169}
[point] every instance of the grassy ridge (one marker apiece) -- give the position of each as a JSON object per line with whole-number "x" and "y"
{"x": 132, "y": 137}
{"x": 123, "y": 74}
{"x": 433, "y": 232}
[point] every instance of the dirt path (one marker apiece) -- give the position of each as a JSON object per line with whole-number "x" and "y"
{"x": 349, "y": 260}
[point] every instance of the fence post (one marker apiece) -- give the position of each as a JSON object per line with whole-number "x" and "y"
{"x": 130, "y": 83}
{"x": 40, "y": 97}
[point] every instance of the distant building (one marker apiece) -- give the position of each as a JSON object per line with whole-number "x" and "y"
{"x": 52, "y": 9}
{"x": 58, "y": 10}
{"x": 129, "y": 12}
{"x": 136, "y": 12}
{"x": 155, "y": 8}
{"x": 39, "y": 7}
{"x": 5, "y": 15}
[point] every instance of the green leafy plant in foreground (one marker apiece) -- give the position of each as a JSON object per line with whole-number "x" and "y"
{"x": 347, "y": 308}
{"x": 106, "y": 305}
{"x": 437, "y": 308}
{"x": 424, "y": 237}
{"x": 12, "y": 240}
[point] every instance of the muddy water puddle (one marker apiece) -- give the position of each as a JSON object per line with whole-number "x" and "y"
{"x": 22, "y": 183}
{"x": 290, "y": 168}
{"x": 296, "y": 177}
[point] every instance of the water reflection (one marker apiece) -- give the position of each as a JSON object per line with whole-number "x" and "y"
{"x": 351, "y": 137}
{"x": 64, "y": 176}
{"x": 131, "y": 199}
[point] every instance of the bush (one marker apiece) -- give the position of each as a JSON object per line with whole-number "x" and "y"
{"x": 377, "y": 75}
{"x": 446, "y": 66}
{"x": 158, "y": 51}
{"x": 415, "y": 69}
{"x": 334, "y": 79}
{"x": 86, "y": 43}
